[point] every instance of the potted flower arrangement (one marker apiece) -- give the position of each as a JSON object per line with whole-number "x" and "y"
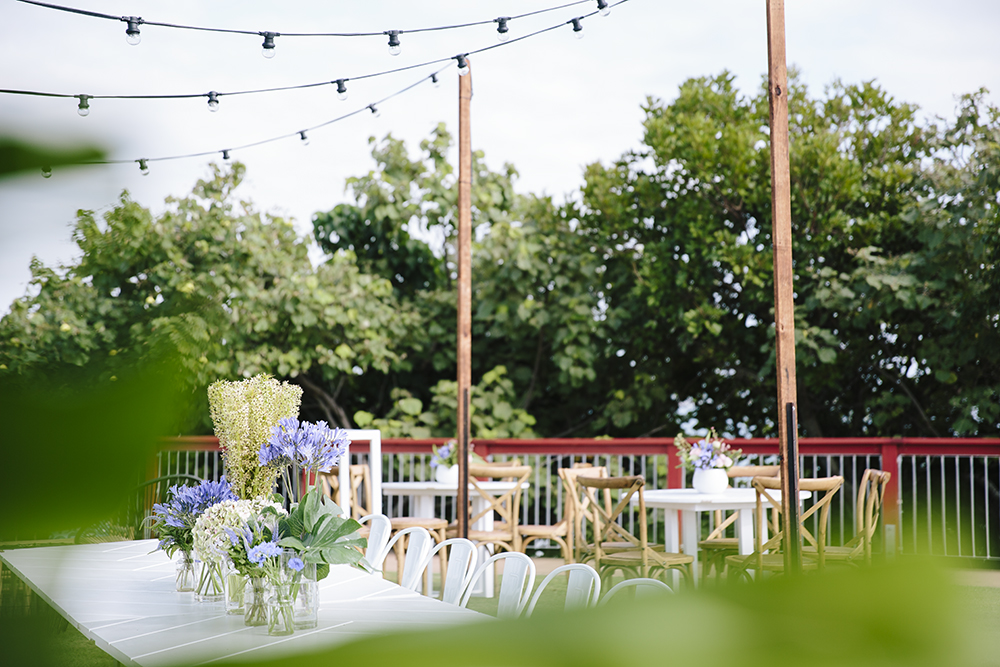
{"x": 175, "y": 519}
{"x": 444, "y": 462}
{"x": 709, "y": 458}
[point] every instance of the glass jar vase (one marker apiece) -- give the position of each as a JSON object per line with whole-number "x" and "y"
{"x": 185, "y": 573}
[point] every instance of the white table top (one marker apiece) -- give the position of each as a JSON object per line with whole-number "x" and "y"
{"x": 442, "y": 488}
{"x": 122, "y": 597}
{"x": 693, "y": 501}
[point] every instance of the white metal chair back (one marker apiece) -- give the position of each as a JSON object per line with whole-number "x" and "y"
{"x": 420, "y": 545}
{"x": 582, "y": 590}
{"x": 515, "y": 586}
{"x": 644, "y": 587}
{"x": 462, "y": 559}
{"x": 378, "y": 539}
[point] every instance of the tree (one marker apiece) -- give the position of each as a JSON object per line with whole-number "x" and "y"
{"x": 886, "y": 217}
{"x": 231, "y": 292}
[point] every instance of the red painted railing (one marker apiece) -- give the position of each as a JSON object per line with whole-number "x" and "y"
{"x": 889, "y": 449}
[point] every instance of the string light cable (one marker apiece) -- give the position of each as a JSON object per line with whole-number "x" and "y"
{"x": 133, "y": 32}
{"x": 302, "y": 134}
{"x": 213, "y": 96}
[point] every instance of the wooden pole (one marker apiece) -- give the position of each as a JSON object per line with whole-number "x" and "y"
{"x": 464, "y": 252}
{"x": 784, "y": 314}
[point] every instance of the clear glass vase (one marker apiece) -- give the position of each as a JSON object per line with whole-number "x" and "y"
{"x": 211, "y": 587}
{"x": 185, "y": 572}
{"x": 305, "y": 594}
{"x": 280, "y": 610}
{"x": 255, "y": 601}
{"x": 235, "y": 589}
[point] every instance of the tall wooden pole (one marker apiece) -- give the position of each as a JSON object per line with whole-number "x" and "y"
{"x": 464, "y": 251}
{"x": 784, "y": 313}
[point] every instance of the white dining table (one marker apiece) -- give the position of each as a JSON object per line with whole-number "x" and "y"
{"x": 682, "y": 536}
{"x": 122, "y": 597}
{"x": 422, "y": 495}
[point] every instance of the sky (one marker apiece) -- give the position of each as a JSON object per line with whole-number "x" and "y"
{"x": 549, "y": 105}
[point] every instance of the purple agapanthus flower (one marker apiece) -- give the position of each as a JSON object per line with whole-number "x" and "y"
{"x": 296, "y": 564}
{"x": 188, "y": 502}
{"x": 315, "y": 447}
{"x": 257, "y": 554}
{"x": 441, "y": 455}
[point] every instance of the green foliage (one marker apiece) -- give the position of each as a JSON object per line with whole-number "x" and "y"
{"x": 895, "y": 232}
{"x": 230, "y": 291}
{"x": 490, "y": 411}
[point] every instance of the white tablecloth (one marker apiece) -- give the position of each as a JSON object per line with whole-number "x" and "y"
{"x": 122, "y": 597}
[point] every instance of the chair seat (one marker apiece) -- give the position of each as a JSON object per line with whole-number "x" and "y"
{"x": 655, "y": 559}
{"x": 428, "y": 522}
{"x": 560, "y": 529}
{"x": 770, "y": 563}
{"x": 725, "y": 543}
{"x": 833, "y": 553}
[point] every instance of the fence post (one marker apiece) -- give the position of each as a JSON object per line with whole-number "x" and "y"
{"x": 890, "y": 508}
{"x": 675, "y": 474}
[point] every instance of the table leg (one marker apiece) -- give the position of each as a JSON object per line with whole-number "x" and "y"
{"x": 744, "y": 531}
{"x": 691, "y": 527}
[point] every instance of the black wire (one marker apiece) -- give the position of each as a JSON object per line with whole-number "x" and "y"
{"x": 306, "y": 85}
{"x": 84, "y": 12}
{"x": 288, "y": 135}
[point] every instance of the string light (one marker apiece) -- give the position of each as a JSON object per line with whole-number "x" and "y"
{"x": 340, "y": 83}
{"x": 394, "y": 47}
{"x": 374, "y": 110}
{"x": 225, "y": 154}
{"x": 213, "y": 101}
{"x": 603, "y": 8}
{"x": 132, "y": 35}
{"x": 502, "y": 30}
{"x": 304, "y": 138}
{"x": 267, "y": 48}
{"x": 434, "y": 80}
{"x": 84, "y": 108}
{"x": 136, "y": 20}
{"x": 143, "y": 166}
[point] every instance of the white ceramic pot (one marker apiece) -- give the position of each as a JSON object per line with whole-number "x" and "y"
{"x": 446, "y": 474}
{"x": 711, "y": 480}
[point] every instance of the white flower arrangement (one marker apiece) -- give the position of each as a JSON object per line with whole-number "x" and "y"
{"x": 210, "y": 538}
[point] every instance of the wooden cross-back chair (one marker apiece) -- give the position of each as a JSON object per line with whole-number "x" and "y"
{"x": 562, "y": 532}
{"x": 867, "y": 511}
{"x": 719, "y": 543}
{"x": 504, "y": 507}
{"x": 361, "y": 488}
{"x": 767, "y": 556}
{"x": 638, "y": 557}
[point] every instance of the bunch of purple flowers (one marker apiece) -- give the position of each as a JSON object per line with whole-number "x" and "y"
{"x": 174, "y": 520}
{"x": 709, "y": 452}
{"x": 314, "y": 447}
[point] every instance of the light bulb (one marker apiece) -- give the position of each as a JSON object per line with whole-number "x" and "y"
{"x": 46, "y": 172}
{"x": 577, "y": 28}
{"x": 132, "y": 35}
{"x": 225, "y": 154}
{"x": 374, "y": 110}
{"x": 267, "y": 48}
{"x": 394, "y": 47}
{"x": 435, "y": 80}
{"x": 341, "y": 89}
{"x": 213, "y": 101}
{"x": 143, "y": 167}
{"x": 304, "y": 138}
{"x": 502, "y": 31}
{"x": 84, "y": 108}
{"x": 603, "y": 8}
{"x": 463, "y": 65}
